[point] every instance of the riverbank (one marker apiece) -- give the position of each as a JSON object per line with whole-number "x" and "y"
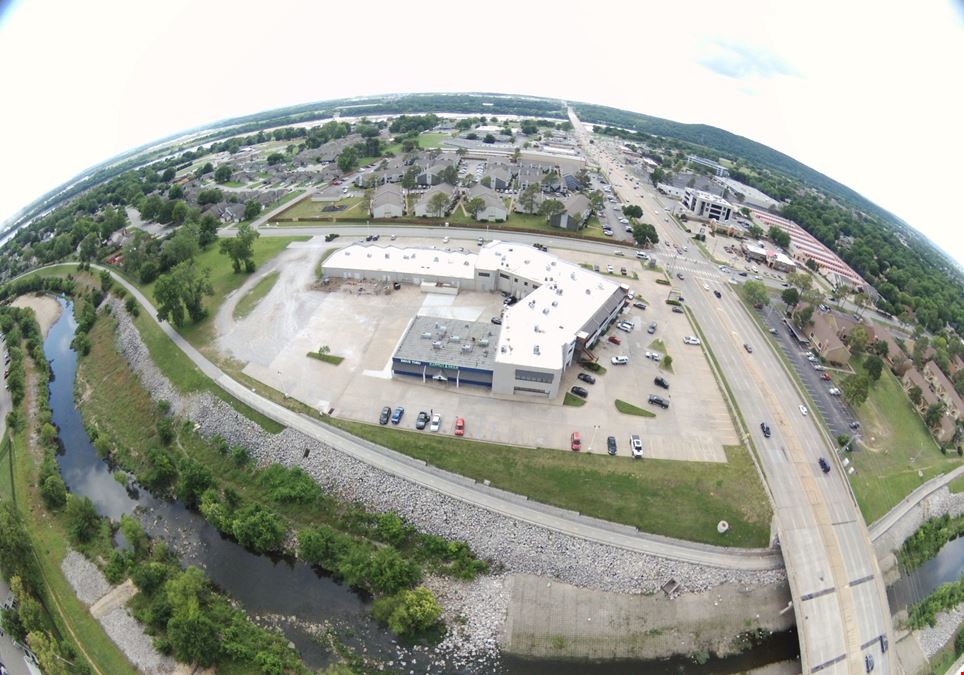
{"x": 45, "y": 308}
{"x": 514, "y": 546}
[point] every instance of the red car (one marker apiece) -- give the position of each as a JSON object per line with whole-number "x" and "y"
{"x": 575, "y": 441}
{"x": 825, "y": 376}
{"x": 615, "y": 339}
{"x": 459, "y": 427}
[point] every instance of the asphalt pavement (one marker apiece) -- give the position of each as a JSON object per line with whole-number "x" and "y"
{"x": 11, "y": 655}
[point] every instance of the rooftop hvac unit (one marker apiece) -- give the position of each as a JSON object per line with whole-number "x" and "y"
{"x": 455, "y": 338}
{"x": 535, "y": 349}
{"x": 588, "y": 291}
{"x": 555, "y": 303}
{"x": 545, "y": 310}
{"x": 466, "y": 347}
{"x": 525, "y": 262}
{"x": 572, "y": 275}
{"x": 426, "y": 336}
{"x": 437, "y": 344}
{"x": 553, "y": 262}
{"x": 442, "y": 328}
{"x": 484, "y": 342}
{"x": 502, "y": 349}
{"x": 532, "y": 304}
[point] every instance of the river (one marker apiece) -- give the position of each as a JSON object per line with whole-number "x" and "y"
{"x": 271, "y": 585}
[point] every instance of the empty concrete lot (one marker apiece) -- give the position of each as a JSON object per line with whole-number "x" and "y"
{"x": 363, "y": 323}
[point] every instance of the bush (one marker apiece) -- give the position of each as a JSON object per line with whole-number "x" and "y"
{"x": 161, "y": 473}
{"x": 82, "y": 519}
{"x": 388, "y": 572}
{"x": 54, "y": 492}
{"x": 408, "y": 612}
{"x": 165, "y": 430}
{"x": 132, "y": 307}
{"x": 194, "y": 479}
{"x": 240, "y": 455}
{"x": 258, "y": 529}
{"x": 289, "y": 486}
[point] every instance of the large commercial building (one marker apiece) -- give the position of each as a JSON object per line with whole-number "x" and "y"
{"x": 707, "y": 206}
{"x": 562, "y": 310}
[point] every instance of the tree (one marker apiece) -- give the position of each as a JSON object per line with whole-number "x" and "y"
{"x": 182, "y": 289}
{"x": 881, "y": 348}
{"x": 778, "y": 236}
{"x": 258, "y": 529}
{"x": 916, "y": 395}
{"x": 596, "y": 200}
{"x": 82, "y": 519}
{"x": 755, "y": 231}
{"x": 201, "y": 170}
{"x": 88, "y": 246}
{"x": 800, "y": 280}
{"x": 437, "y": 204}
{"x": 489, "y": 138}
{"x": 475, "y": 206}
{"x": 410, "y": 179}
{"x": 811, "y": 264}
{"x": 251, "y": 209}
{"x": 408, "y": 612}
{"x": 54, "y": 492}
{"x": 449, "y": 175}
{"x": 347, "y": 160}
{"x": 632, "y": 211}
{"x": 803, "y": 317}
{"x": 790, "y": 297}
{"x": 275, "y": 158}
{"x": 857, "y": 340}
{"x": 551, "y": 207}
{"x": 933, "y": 414}
{"x": 855, "y": 389}
{"x": 194, "y": 479}
{"x": 179, "y": 211}
{"x": 223, "y": 174}
{"x": 756, "y": 293}
{"x": 240, "y": 248}
{"x": 874, "y": 367}
{"x": 211, "y": 196}
{"x": 528, "y": 198}
{"x": 486, "y": 181}
{"x": 645, "y": 234}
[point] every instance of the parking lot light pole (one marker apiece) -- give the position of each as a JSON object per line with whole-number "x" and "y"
{"x": 592, "y": 440}
{"x": 284, "y": 390}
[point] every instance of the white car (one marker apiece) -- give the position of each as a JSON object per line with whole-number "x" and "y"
{"x": 436, "y": 422}
{"x": 803, "y": 410}
{"x": 623, "y": 221}
{"x": 618, "y": 252}
{"x": 706, "y": 287}
{"x": 691, "y": 340}
{"x": 655, "y": 356}
{"x": 620, "y": 360}
{"x": 445, "y": 240}
{"x": 625, "y": 326}
{"x": 834, "y": 391}
{"x": 636, "y": 446}
{"x": 609, "y": 268}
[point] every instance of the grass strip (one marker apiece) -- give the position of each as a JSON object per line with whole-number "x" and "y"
{"x": 573, "y": 400}
{"x": 630, "y": 409}
{"x": 251, "y": 299}
{"x": 327, "y": 358}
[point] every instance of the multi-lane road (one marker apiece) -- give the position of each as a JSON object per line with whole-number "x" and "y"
{"x": 840, "y": 601}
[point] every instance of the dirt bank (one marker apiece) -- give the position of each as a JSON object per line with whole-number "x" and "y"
{"x": 45, "y": 307}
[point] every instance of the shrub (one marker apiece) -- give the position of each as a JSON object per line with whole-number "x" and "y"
{"x": 54, "y": 492}
{"x": 258, "y": 529}
{"x": 82, "y": 519}
{"x": 408, "y": 612}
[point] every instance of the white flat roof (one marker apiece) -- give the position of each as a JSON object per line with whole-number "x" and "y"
{"x": 374, "y": 258}
{"x": 549, "y": 317}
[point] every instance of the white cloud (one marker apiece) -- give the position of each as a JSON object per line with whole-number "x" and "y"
{"x": 862, "y": 92}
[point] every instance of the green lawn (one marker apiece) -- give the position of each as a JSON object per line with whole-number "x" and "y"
{"x": 957, "y": 485}
{"x": 327, "y": 358}
{"x": 251, "y": 299}
{"x": 224, "y": 280}
{"x": 658, "y": 345}
{"x": 307, "y": 208}
{"x": 616, "y": 489}
{"x": 899, "y": 448}
{"x": 432, "y": 139}
{"x": 630, "y": 409}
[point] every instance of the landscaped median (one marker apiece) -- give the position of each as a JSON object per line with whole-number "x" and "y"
{"x": 630, "y": 409}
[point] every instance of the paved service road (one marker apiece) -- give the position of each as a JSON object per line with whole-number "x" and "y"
{"x": 11, "y": 656}
{"x": 838, "y": 591}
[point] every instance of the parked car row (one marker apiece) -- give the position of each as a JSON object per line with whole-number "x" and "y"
{"x": 424, "y": 419}
{"x": 635, "y": 445}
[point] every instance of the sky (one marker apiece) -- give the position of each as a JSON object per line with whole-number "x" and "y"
{"x": 867, "y": 92}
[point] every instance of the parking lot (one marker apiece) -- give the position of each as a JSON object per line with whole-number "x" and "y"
{"x": 832, "y": 408}
{"x": 361, "y": 323}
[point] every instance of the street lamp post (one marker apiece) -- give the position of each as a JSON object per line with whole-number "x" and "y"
{"x": 284, "y": 389}
{"x": 592, "y": 440}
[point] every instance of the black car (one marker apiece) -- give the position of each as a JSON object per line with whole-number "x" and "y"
{"x": 497, "y": 321}
{"x": 657, "y": 400}
{"x": 611, "y": 445}
{"x": 368, "y": 238}
{"x": 375, "y": 237}
{"x": 422, "y": 420}
{"x": 386, "y": 413}
{"x": 765, "y": 428}
{"x": 587, "y": 378}
{"x": 639, "y": 305}
{"x": 581, "y": 392}
{"x": 824, "y": 466}
{"x": 660, "y": 382}
{"x": 717, "y": 294}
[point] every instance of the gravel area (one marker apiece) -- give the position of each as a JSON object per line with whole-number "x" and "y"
{"x": 475, "y": 615}
{"x": 932, "y": 640}
{"x": 88, "y": 582}
{"x": 511, "y": 545}
{"x": 129, "y": 635}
